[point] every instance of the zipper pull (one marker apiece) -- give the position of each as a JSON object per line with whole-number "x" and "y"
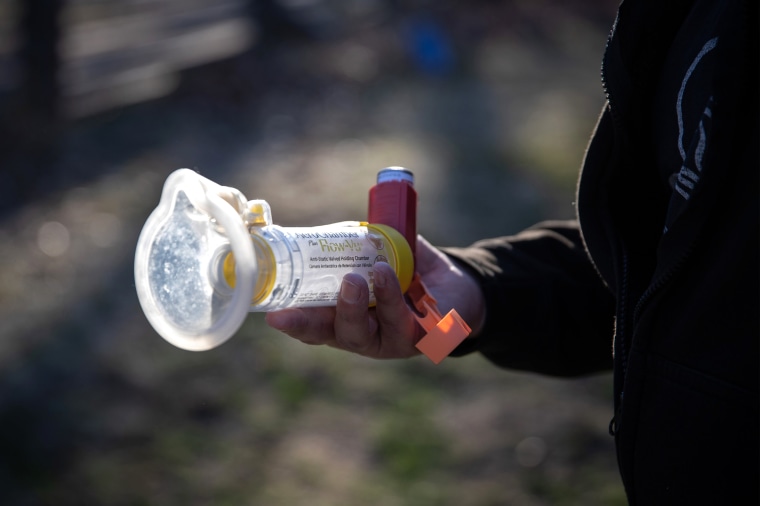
{"x": 614, "y": 427}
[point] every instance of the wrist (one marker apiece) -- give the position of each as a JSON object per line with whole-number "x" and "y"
{"x": 473, "y": 307}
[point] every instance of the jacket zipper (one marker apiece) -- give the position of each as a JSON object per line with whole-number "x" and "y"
{"x": 622, "y": 329}
{"x": 621, "y": 326}
{"x": 664, "y": 278}
{"x": 603, "y": 72}
{"x": 621, "y": 342}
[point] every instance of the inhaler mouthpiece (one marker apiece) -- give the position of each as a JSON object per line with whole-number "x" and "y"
{"x": 179, "y": 262}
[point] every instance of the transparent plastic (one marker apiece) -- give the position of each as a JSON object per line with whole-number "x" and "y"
{"x": 206, "y": 257}
{"x": 304, "y": 266}
{"x": 196, "y": 223}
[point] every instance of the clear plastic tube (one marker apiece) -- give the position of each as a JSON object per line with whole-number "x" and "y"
{"x": 304, "y": 266}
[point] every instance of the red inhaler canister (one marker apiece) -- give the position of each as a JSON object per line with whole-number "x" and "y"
{"x": 393, "y": 202}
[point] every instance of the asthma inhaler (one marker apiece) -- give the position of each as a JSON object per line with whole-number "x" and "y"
{"x": 207, "y": 256}
{"x": 393, "y": 202}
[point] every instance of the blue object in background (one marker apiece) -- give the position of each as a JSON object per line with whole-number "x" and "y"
{"x": 429, "y": 46}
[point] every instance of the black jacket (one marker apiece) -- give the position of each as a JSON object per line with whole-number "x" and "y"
{"x": 668, "y": 214}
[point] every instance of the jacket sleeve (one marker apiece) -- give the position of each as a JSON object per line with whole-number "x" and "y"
{"x": 547, "y": 309}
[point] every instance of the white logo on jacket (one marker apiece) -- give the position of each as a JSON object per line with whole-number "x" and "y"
{"x": 691, "y": 166}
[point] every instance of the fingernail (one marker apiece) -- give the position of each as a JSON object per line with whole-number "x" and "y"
{"x": 349, "y": 292}
{"x": 379, "y": 278}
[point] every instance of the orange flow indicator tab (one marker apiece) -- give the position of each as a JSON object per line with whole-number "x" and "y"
{"x": 444, "y": 333}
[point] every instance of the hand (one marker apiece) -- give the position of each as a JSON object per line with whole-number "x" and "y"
{"x": 389, "y": 330}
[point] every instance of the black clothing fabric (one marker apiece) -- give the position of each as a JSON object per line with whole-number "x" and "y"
{"x": 664, "y": 257}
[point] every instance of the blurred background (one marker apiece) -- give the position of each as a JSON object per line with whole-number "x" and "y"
{"x": 299, "y": 102}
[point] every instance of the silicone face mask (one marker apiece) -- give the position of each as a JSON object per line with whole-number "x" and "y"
{"x": 179, "y": 258}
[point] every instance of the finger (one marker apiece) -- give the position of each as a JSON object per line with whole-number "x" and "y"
{"x": 352, "y": 321}
{"x": 311, "y": 325}
{"x": 398, "y": 328}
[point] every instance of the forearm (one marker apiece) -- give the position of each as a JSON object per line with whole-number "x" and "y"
{"x": 547, "y": 309}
